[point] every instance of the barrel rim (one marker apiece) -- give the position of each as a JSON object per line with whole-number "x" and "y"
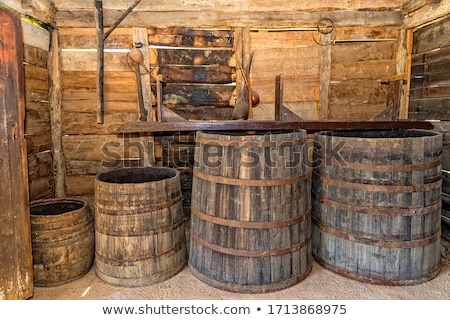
{"x": 39, "y": 202}
{"x": 352, "y": 134}
{"x": 176, "y": 175}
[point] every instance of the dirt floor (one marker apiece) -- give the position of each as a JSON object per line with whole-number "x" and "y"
{"x": 320, "y": 284}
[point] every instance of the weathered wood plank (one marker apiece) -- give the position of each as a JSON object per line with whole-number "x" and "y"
{"x": 203, "y": 18}
{"x": 236, "y": 5}
{"x": 16, "y": 271}
{"x": 432, "y": 37}
{"x": 190, "y": 37}
{"x": 430, "y": 109}
{"x": 199, "y": 95}
{"x": 369, "y": 70}
{"x": 180, "y": 56}
{"x": 195, "y": 74}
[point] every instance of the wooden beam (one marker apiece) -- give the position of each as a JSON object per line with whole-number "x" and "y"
{"x": 278, "y": 97}
{"x": 121, "y": 18}
{"x": 100, "y": 60}
{"x": 404, "y": 108}
{"x": 251, "y": 125}
{"x": 54, "y": 66}
{"x": 324, "y": 74}
{"x": 16, "y": 265}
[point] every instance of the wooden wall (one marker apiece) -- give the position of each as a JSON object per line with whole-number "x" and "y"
{"x": 335, "y": 76}
{"x": 321, "y": 80}
{"x": 37, "y": 107}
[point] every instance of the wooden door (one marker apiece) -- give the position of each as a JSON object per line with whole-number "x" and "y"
{"x": 16, "y": 267}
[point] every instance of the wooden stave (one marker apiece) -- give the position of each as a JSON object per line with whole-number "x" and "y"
{"x": 422, "y": 243}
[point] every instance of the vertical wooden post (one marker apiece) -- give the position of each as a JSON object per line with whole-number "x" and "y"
{"x": 324, "y": 75}
{"x": 278, "y": 98}
{"x": 16, "y": 266}
{"x": 54, "y": 66}
{"x": 100, "y": 59}
{"x": 404, "y": 108}
{"x": 140, "y": 35}
{"x": 246, "y": 62}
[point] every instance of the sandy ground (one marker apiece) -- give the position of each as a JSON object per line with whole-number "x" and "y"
{"x": 320, "y": 284}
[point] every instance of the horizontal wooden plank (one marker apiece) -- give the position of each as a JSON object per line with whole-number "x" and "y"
{"x": 204, "y": 18}
{"x": 362, "y": 51}
{"x": 189, "y": 37}
{"x": 41, "y": 188}
{"x": 194, "y": 57}
{"x": 362, "y": 111}
{"x": 37, "y": 121}
{"x": 35, "y": 36}
{"x": 199, "y": 95}
{"x": 430, "y": 92}
{"x": 235, "y": 5}
{"x": 428, "y": 57}
{"x": 431, "y": 74}
{"x": 80, "y": 185}
{"x": 371, "y": 70}
{"x": 365, "y": 33}
{"x": 301, "y": 62}
{"x": 81, "y": 60}
{"x": 87, "y": 168}
{"x": 38, "y": 142}
{"x": 121, "y": 82}
{"x": 86, "y": 123}
{"x": 245, "y": 125}
{"x": 432, "y": 37}
{"x": 429, "y": 109}
{"x": 296, "y": 89}
{"x": 40, "y": 165}
{"x": 198, "y": 74}
{"x": 202, "y": 113}
{"x": 35, "y": 56}
{"x": 102, "y": 147}
{"x": 357, "y": 92}
{"x": 86, "y": 38}
{"x": 307, "y": 110}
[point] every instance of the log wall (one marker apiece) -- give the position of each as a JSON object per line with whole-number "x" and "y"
{"x": 37, "y": 108}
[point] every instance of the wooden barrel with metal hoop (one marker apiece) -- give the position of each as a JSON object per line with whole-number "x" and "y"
{"x": 139, "y": 226}
{"x": 377, "y": 204}
{"x": 250, "y": 222}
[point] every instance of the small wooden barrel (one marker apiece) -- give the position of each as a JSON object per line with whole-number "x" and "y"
{"x": 139, "y": 226}
{"x": 377, "y": 204}
{"x": 251, "y": 211}
{"x": 62, "y": 235}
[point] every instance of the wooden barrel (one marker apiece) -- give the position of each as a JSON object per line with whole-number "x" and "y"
{"x": 251, "y": 211}
{"x": 62, "y": 234}
{"x": 377, "y": 204}
{"x": 139, "y": 226}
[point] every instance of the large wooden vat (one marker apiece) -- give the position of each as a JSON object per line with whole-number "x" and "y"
{"x": 62, "y": 235}
{"x": 377, "y": 204}
{"x": 250, "y": 222}
{"x": 139, "y": 226}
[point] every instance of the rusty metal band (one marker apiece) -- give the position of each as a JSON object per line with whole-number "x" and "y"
{"x": 424, "y": 187}
{"x": 136, "y": 233}
{"x": 403, "y": 212}
{"x": 250, "y": 224}
{"x": 381, "y": 167}
{"x": 248, "y": 253}
{"x": 364, "y": 239}
{"x": 250, "y": 182}
{"x": 251, "y": 143}
{"x": 143, "y": 209}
